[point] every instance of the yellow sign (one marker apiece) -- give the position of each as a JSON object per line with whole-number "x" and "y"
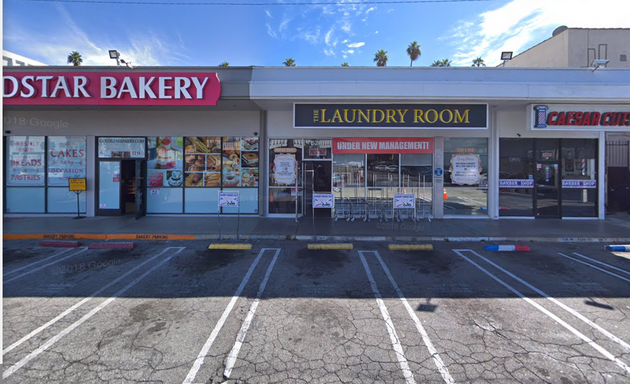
{"x": 77, "y": 184}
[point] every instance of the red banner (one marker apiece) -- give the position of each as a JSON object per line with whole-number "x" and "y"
{"x": 110, "y": 88}
{"x": 385, "y": 145}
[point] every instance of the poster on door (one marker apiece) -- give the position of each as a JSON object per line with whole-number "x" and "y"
{"x": 465, "y": 169}
{"x": 284, "y": 169}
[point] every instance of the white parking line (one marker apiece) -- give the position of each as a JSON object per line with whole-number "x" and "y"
{"x": 82, "y": 249}
{"x": 37, "y": 262}
{"x": 80, "y": 303}
{"x": 85, "y": 318}
{"x": 577, "y": 333}
{"x": 393, "y": 336}
{"x": 557, "y": 302}
{"x": 604, "y": 264}
{"x": 425, "y": 336}
{"x": 217, "y": 328}
{"x": 231, "y": 360}
{"x": 594, "y": 267}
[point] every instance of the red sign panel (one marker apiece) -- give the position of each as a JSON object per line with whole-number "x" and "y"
{"x": 111, "y": 88}
{"x": 385, "y": 145}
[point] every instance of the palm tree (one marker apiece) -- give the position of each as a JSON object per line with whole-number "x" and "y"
{"x": 75, "y": 58}
{"x": 344, "y": 64}
{"x": 441, "y": 63}
{"x": 381, "y": 58}
{"x": 224, "y": 64}
{"x": 413, "y": 50}
{"x": 478, "y": 62}
{"x": 289, "y": 62}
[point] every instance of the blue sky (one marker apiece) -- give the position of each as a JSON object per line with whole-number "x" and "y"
{"x": 313, "y": 35}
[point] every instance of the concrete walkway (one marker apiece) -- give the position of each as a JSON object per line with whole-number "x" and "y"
{"x": 615, "y": 229}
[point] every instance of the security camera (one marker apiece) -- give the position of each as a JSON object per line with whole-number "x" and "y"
{"x": 255, "y": 133}
{"x": 127, "y": 63}
{"x": 599, "y": 63}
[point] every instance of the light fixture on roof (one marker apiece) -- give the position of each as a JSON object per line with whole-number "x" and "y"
{"x": 599, "y": 63}
{"x": 505, "y": 56}
{"x": 114, "y": 54}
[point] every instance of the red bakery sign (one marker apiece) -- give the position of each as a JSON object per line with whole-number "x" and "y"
{"x": 361, "y": 145}
{"x": 110, "y": 88}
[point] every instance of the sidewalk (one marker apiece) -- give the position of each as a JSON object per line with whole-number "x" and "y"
{"x": 614, "y": 229}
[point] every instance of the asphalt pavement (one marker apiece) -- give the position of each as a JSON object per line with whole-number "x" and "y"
{"x": 175, "y": 312}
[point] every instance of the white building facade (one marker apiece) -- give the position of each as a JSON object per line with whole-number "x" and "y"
{"x": 459, "y": 142}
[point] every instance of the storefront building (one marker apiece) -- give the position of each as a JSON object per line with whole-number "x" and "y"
{"x": 464, "y": 142}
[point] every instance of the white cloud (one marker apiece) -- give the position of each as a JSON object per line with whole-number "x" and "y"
{"x": 142, "y": 49}
{"x": 370, "y": 10}
{"x": 283, "y": 26}
{"x": 271, "y": 32}
{"x": 520, "y": 24}
{"x": 329, "y": 52}
{"x": 356, "y": 45}
{"x": 268, "y": 14}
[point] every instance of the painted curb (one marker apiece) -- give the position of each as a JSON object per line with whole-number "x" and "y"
{"x": 112, "y": 246}
{"x": 507, "y": 248}
{"x": 332, "y": 246}
{"x": 60, "y": 244}
{"x": 234, "y": 247}
{"x": 618, "y": 248}
{"x": 410, "y": 247}
{"x": 164, "y": 237}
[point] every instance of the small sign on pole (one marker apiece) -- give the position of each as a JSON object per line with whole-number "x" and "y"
{"x": 404, "y": 201}
{"x": 323, "y": 200}
{"x": 77, "y": 186}
{"x": 230, "y": 200}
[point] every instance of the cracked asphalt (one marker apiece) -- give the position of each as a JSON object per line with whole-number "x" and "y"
{"x": 175, "y": 312}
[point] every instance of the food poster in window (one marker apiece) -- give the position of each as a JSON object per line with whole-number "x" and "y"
{"x": 165, "y": 165}
{"x": 465, "y": 169}
{"x": 231, "y": 162}
{"x": 202, "y": 161}
{"x": 249, "y": 162}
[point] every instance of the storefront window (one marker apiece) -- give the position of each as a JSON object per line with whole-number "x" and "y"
{"x": 382, "y": 170}
{"x": 579, "y": 178}
{"x": 37, "y": 173}
{"x": 349, "y": 176}
{"x": 466, "y": 176}
{"x": 66, "y": 159}
{"x": 317, "y": 149}
{"x": 516, "y": 177}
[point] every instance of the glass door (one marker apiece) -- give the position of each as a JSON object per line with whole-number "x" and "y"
{"x": 547, "y": 177}
{"x": 109, "y": 184}
{"x": 317, "y": 179}
{"x": 547, "y": 190}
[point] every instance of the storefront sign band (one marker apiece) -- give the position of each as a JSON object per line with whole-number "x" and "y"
{"x": 460, "y": 116}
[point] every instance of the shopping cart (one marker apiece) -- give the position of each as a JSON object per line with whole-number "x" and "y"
{"x": 343, "y": 209}
{"x": 359, "y": 208}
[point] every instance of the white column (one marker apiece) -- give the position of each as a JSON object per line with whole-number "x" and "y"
{"x": 493, "y": 168}
{"x": 91, "y": 164}
{"x": 438, "y": 183}
{"x": 601, "y": 177}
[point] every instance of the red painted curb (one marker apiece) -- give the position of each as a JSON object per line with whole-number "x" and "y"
{"x": 63, "y": 244}
{"x": 112, "y": 246}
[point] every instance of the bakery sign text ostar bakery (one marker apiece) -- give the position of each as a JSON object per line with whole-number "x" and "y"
{"x": 111, "y": 88}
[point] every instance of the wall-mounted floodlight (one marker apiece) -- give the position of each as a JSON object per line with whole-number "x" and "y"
{"x": 599, "y": 63}
{"x": 505, "y": 56}
{"x": 114, "y": 54}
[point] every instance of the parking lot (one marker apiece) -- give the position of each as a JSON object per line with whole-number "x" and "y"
{"x": 175, "y": 312}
